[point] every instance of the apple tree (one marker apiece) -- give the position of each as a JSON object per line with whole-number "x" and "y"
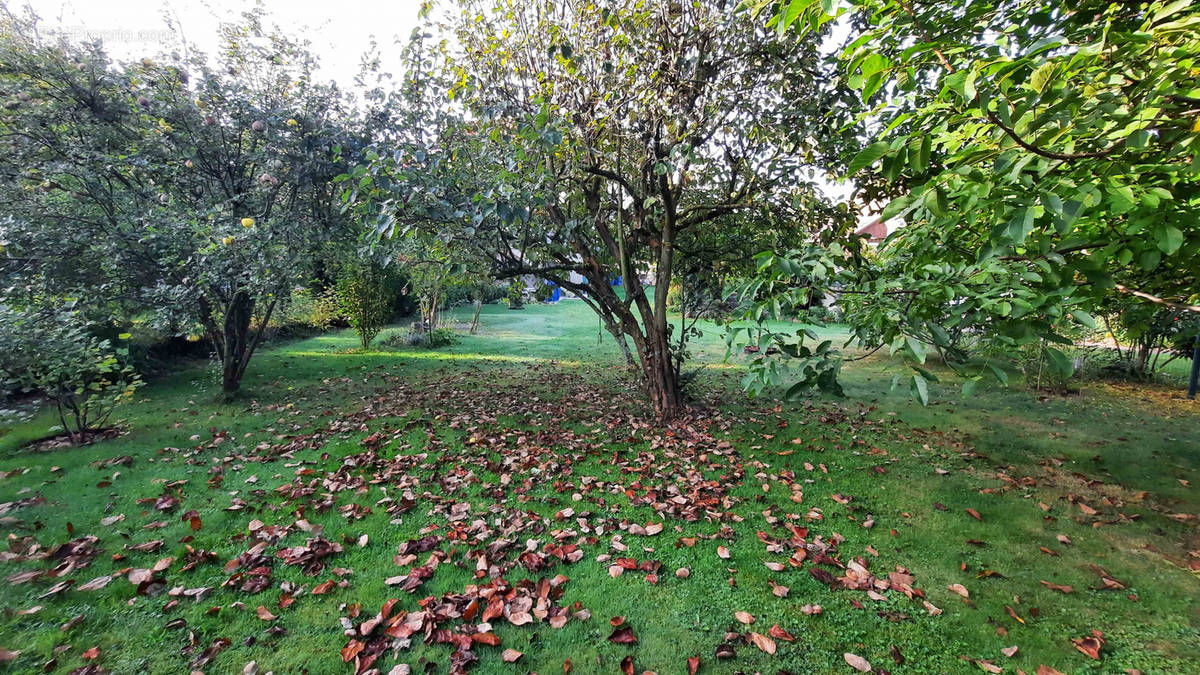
{"x": 195, "y": 188}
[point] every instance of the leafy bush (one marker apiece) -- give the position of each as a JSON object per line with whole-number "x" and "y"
{"x": 441, "y": 337}
{"x": 417, "y": 336}
{"x": 51, "y": 353}
{"x": 313, "y": 309}
{"x": 516, "y": 295}
{"x": 1154, "y": 336}
{"x": 394, "y": 339}
{"x": 674, "y": 293}
{"x": 543, "y": 293}
{"x": 365, "y": 299}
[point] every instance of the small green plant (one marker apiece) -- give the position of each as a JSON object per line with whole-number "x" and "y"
{"x": 365, "y": 298}
{"x": 516, "y": 295}
{"x": 52, "y": 354}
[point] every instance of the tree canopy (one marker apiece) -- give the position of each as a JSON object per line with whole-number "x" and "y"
{"x": 583, "y": 143}
{"x": 1043, "y": 156}
{"x": 198, "y": 191}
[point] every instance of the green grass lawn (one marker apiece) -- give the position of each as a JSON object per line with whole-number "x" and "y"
{"x": 524, "y": 453}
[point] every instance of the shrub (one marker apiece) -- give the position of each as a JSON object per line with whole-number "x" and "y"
{"x": 543, "y": 293}
{"x": 365, "y": 299}
{"x": 313, "y": 309}
{"x": 51, "y": 353}
{"x": 516, "y": 295}
{"x": 1154, "y": 336}
{"x": 394, "y": 339}
{"x": 417, "y": 336}
{"x": 441, "y": 337}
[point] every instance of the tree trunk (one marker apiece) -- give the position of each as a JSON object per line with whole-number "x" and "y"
{"x": 661, "y": 376}
{"x": 1141, "y": 363}
{"x": 236, "y": 342}
{"x": 475, "y": 316}
{"x": 624, "y": 345}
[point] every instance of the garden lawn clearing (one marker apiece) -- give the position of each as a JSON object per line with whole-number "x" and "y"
{"x": 507, "y": 505}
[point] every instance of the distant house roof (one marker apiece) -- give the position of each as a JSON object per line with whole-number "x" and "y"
{"x": 876, "y": 230}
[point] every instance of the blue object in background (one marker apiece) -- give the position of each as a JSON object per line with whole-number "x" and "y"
{"x": 557, "y": 295}
{"x": 618, "y": 281}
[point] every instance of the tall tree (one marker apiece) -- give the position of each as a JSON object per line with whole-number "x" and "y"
{"x": 193, "y": 188}
{"x": 586, "y": 142}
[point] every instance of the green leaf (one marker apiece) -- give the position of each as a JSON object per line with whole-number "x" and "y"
{"x": 1170, "y": 9}
{"x": 1061, "y": 364}
{"x": 929, "y": 376}
{"x": 968, "y": 387}
{"x": 919, "y": 159}
{"x": 793, "y": 12}
{"x": 1121, "y": 199}
{"x": 1084, "y": 318}
{"x": 1168, "y": 238}
{"x": 1020, "y": 225}
{"x": 796, "y": 390}
{"x": 1052, "y": 202}
{"x": 868, "y": 156}
{"x": 940, "y": 337}
{"x": 894, "y": 207}
{"x": 999, "y": 373}
{"x": 962, "y": 83}
{"x": 916, "y": 347}
{"x": 919, "y": 388}
{"x": 1042, "y": 76}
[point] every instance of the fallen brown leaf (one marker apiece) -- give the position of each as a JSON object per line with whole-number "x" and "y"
{"x": 857, "y": 662}
{"x": 763, "y": 642}
{"x": 1091, "y": 644}
{"x": 623, "y": 636}
{"x": 781, "y": 634}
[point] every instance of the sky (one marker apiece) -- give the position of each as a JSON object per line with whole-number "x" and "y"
{"x": 339, "y": 32}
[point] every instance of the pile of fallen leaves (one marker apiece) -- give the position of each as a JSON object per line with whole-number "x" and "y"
{"x": 461, "y": 621}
